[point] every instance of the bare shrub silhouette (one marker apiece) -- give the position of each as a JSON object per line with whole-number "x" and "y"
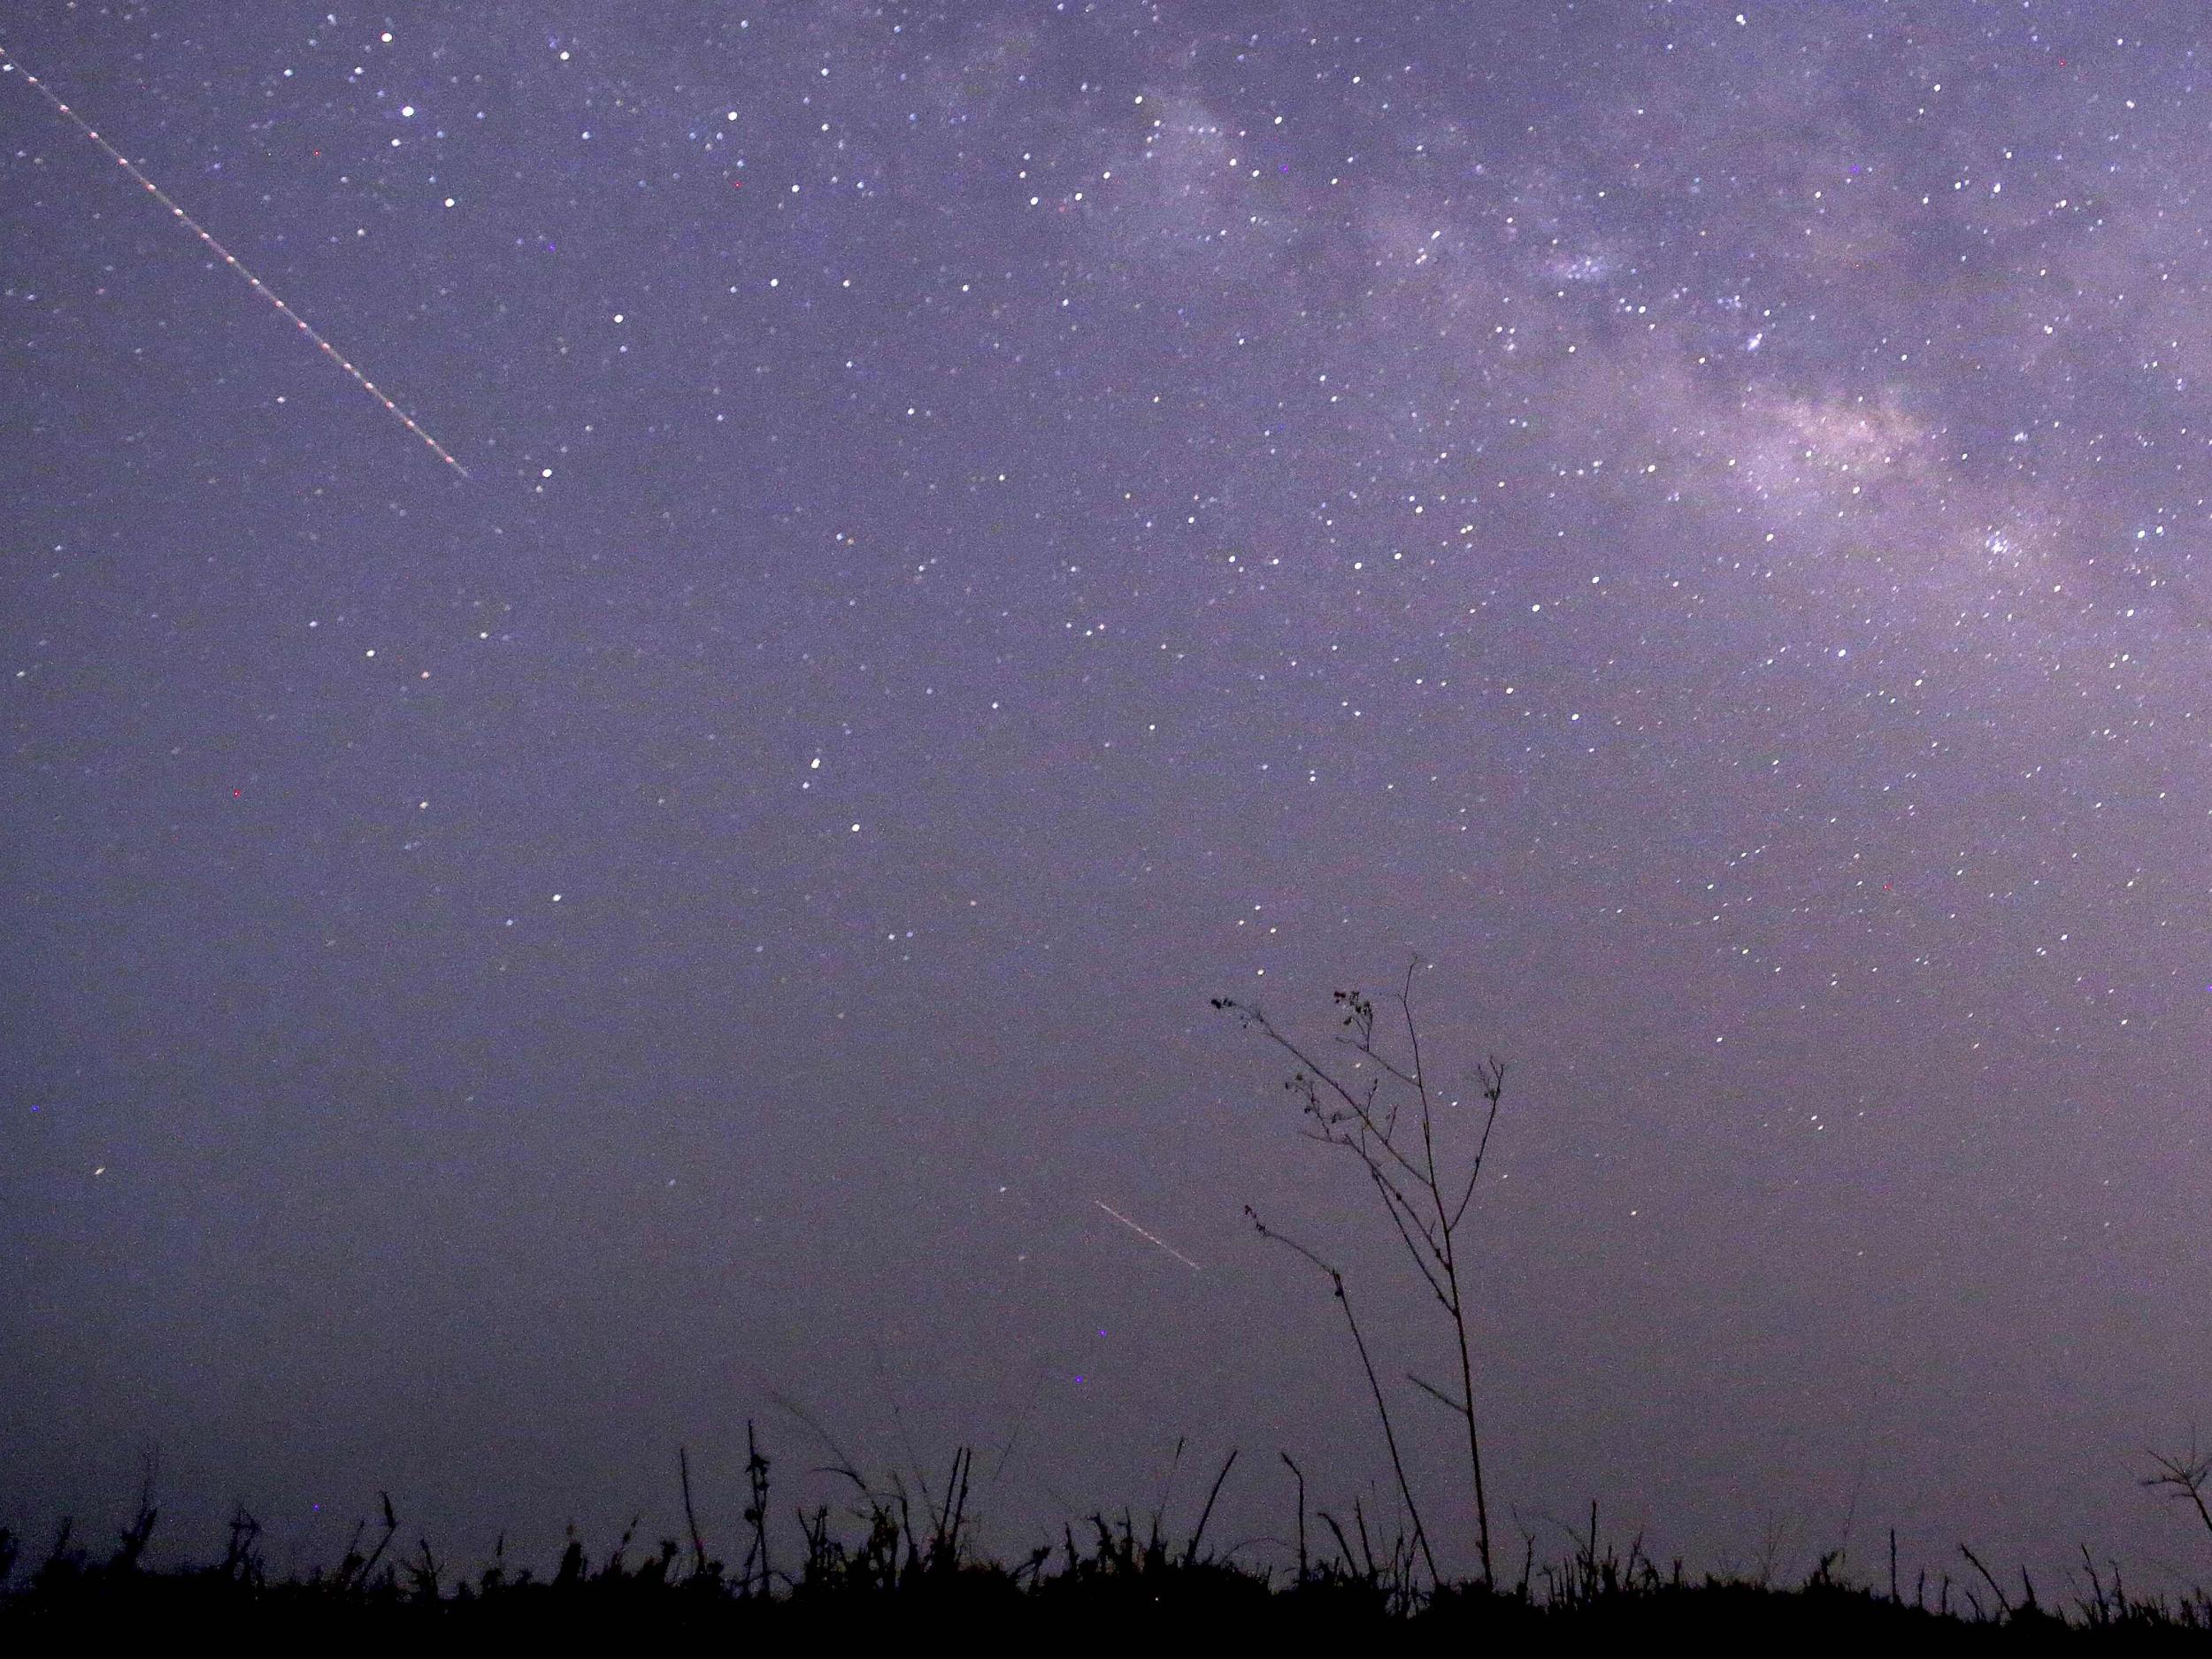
{"x": 2187, "y": 1476}
{"x": 1390, "y": 1121}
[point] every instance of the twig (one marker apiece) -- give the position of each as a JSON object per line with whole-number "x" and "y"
{"x": 691, "y": 1517}
{"x": 2186, "y": 1477}
{"x": 1993, "y": 1587}
{"x": 1374, "y": 1384}
{"x": 1190, "y": 1553}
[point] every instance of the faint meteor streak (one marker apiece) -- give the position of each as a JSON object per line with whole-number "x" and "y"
{"x": 1149, "y": 1238}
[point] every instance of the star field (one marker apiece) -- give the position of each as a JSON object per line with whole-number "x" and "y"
{"x": 987, "y": 526}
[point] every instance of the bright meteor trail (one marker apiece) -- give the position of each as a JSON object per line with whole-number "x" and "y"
{"x": 235, "y": 264}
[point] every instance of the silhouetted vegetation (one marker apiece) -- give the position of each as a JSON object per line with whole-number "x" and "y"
{"x": 1390, "y": 1120}
{"x": 899, "y": 1554}
{"x": 903, "y": 1555}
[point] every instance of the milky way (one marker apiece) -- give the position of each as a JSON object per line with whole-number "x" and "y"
{"x": 988, "y": 527}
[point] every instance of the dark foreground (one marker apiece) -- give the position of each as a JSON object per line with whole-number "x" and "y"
{"x": 901, "y": 1579}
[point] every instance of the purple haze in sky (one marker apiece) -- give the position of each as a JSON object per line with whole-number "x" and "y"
{"x": 991, "y": 525}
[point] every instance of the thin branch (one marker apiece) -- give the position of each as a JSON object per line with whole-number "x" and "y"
{"x": 1436, "y": 1394}
{"x": 1994, "y": 1589}
{"x": 1389, "y": 1068}
{"x": 1362, "y": 1109}
{"x": 691, "y": 1518}
{"x": 1343, "y": 1544}
{"x": 1492, "y": 1088}
{"x": 1436, "y": 1285}
{"x": 1300, "y": 1475}
{"x": 1190, "y": 1552}
{"x": 2184, "y": 1477}
{"x": 1420, "y": 1078}
{"x": 1374, "y": 1384}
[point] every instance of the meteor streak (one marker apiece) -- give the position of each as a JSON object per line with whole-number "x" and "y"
{"x": 1149, "y": 1238}
{"x": 232, "y": 260}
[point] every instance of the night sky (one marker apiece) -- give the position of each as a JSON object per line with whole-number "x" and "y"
{"x": 987, "y": 526}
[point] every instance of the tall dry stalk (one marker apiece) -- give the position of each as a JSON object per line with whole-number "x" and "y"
{"x": 1396, "y": 1145}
